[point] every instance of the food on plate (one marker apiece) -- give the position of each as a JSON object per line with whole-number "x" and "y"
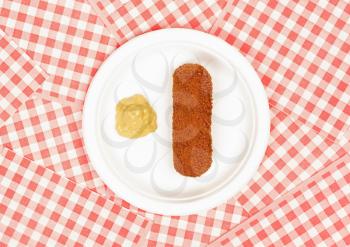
{"x": 135, "y": 117}
{"x": 192, "y": 113}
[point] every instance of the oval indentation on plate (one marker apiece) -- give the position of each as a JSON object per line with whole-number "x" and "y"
{"x": 127, "y": 89}
{"x": 164, "y": 131}
{"x": 151, "y": 69}
{"x": 165, "y": 179}
{"x": 224, "y": 77}
{"x": 229, "y": 143}
{"x": 110, "y": 135}
{"x": 228, "y": 110}
{"x": 182, "y": 58}
{"x": 141, "y": 154}
{"x": 163, "y": 107}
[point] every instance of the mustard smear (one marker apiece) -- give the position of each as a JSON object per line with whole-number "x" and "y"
{"x": 135, "y": 117}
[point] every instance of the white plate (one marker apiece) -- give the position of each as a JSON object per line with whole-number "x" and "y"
{"x": 141, "y": 170}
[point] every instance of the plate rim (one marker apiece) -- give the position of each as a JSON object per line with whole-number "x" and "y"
{"x": 234, "y": 186}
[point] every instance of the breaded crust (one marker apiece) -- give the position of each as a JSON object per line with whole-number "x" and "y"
{"x": 192, "y": 111}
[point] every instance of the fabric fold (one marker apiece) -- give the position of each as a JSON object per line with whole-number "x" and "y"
{"x": 126, "y": 19}
{"x": 40, "y": 207}
{"x": 300, "y": 50}
{"x": 20, "y": 77}
{"x": 313, "y": 214}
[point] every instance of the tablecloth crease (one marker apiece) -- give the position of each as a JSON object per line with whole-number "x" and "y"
{"x": 40, "y": 207}
{"x": 301, "y": 51}
{"x": 313, "y": 214}
{"x": 126, "y": 19}
{"x": 20, "y": 77}
{"x": 65, "y": 38}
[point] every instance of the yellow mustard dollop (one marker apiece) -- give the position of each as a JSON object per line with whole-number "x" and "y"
{"x": 135, "y": 117}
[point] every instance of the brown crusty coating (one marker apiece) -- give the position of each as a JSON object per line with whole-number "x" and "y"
{"x": 192, "y": 110}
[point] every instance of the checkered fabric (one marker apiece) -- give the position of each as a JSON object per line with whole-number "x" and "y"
{"x": 195, "y": 230}
{"x": 126, "y": 19}
{"x": 41, "y": 208}
{"x": 295, "y": 153}
{"x": 314, "y": 214}
{"x": 65, "y": 37}
{"x": 19, "y": 77}
{"x": 48, "y": 132}
{"x": 301, "y": 50}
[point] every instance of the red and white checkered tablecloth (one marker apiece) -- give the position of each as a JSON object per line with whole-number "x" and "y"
{"x": 20, "y": 77}
{"x": 301, "y": 51}
{"x": 49, "y": 192}
{"x": 316, "y": 213}
{"x": 126, "y": 19}
{"x": 42, "y": 208}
